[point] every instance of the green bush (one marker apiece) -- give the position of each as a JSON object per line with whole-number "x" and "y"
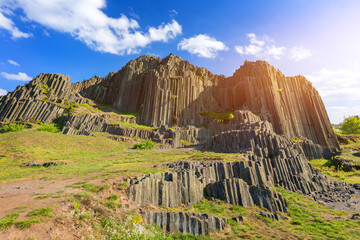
{"x": 49, "y": 127}
{"x": 220, "y": 117}
{"x": 350, "y": 125}
{"x": 13, "y": 127}
{"x": 145, "y": 144}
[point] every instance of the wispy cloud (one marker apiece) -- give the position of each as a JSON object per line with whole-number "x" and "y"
{"x": 299, "y": 53}
{"x": 3, "y": 92}
{"x": 339, "y": 89}
{"x": 173, "y": 13}
{"x": 13, "y": 62}
{"x": 8, "y": 24}
{"x": 20, "y": 76}
{"x": 263, "y": 47}
{"x": 86, "y": 21}
{"x": 202, "y": 45}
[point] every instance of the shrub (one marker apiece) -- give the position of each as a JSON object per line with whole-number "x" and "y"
{"x": 145, "y": 144}
{"x": 13, "y": 127}
{"x": 129, "y": 230}
{"x": 219, "y": 117}
{"x": 49, "y": 127}
{"x": 350, "y": 125}
{"x": 296, "y": 140}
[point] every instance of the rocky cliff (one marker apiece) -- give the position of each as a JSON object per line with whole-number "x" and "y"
{"x": 173, "y": 92}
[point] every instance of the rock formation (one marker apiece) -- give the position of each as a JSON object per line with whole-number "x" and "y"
{"x": 257, "y": 112}
{"x": 173, "y": 92}
{"x": 175, "y": 222}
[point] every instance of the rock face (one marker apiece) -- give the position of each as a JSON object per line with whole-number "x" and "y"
{"x": 175, "y": 222}
{"x": 272, "y": 160}
{"x": 173, "y": 92}
{"x": 166, "y": 189}
{"x": 291, "y": 104}
{"x": 256, "y": 112}
{"x": 29, "y": 101}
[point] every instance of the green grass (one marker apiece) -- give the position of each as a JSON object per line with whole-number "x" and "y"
{"x": 312, "y": 219}
{"x": 8, "y": 220}
{"x": 145, "y": 145}
{"x": 12, "y": 127}
{"x": 327, "y": 167}
{"x": 49, "y": 127}
{"x": 84, "y": 155}
{"x": 43, "y": 212}
{"x": 219, "y": 208}
{"x": 27, "y": 223}
{"x": 220, "y": 117}
{"x": 35, "y": 216}
{"x": 296, "y": 140}
{"x": 347, "y": 150}
{"x": 43, "y": 196}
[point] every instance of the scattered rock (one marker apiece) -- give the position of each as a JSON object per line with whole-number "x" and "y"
{"x": 238, "y": 219}
{"x": 273, "y": 215}
{"x": 47, "y": 164}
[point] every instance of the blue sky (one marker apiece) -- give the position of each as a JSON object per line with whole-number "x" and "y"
{"x": 83, "y": 38}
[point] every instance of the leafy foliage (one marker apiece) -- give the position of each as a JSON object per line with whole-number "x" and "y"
{"x": 350, "y": 125}
{"x": 12, "y": 127}
{"x": 145, "y": 144}
{"x": 50, "y": 127}
{"x": 220, "y": 117}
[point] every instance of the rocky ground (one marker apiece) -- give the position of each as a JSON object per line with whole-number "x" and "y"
{"x": 84, "y": 200}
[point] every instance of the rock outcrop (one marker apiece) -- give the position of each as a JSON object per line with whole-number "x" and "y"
{"x": 166, "y": 189}
{"x": 272, "y": 160}
{"x": 36, "y": 99}
{"x": 184, "y": 222}
{"x": 173, "y": 92}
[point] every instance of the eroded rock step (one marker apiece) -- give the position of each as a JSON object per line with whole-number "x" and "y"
{"x": 185, "y": 222}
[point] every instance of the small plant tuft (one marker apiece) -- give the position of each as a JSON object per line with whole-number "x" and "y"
{"x": 145, "y": 144}
{"x": 49, "y": 127}
{"x": 12, "y": 127}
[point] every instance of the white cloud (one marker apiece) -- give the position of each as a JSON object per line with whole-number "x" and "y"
{"x": 165, "y": 32}
{"x": 85, "y": 21}
{"x": 9, "y": 25}
{"x": 13, "y": 62}
{"x": 339, "y": 89}
{"x": 299, "y": 53}
{"x": 263, "y": 47}
{"x": 202, "y": 45}
{"x": 3, "y": 92}
{"x": 20, "y": 76}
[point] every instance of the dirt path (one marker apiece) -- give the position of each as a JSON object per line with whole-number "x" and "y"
{"x": 24, "y": 193}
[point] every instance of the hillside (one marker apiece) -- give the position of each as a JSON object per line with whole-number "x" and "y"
{"x": 230, "y": 157}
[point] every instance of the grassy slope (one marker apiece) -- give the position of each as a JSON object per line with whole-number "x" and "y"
{"x": 107, "y": 158}
{"x": 83, "y": 155}
{"x": 329, "y": 169}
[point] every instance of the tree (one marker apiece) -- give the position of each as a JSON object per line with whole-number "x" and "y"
{"x": 350, "y": 125}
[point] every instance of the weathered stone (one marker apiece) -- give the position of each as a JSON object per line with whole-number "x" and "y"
{"x": 171, "y": 92}
{"x": 232, "y": 190}
{"x": 275, "y": 216}
{"x": 184, "y": 222}
{"x": 237, "y": 192}
{"x": 166, "y": 189}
